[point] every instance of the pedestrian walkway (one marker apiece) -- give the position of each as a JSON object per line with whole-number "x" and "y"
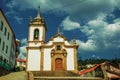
{"x": 15, "y": 76}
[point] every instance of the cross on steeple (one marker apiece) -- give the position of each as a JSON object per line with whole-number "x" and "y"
{"x": 38, "y": 15}
{"x": 58, "y": 33}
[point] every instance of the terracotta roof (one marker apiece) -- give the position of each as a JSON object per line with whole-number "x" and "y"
{"x": 89, "y": 70}
{"x": 20, "y": 60}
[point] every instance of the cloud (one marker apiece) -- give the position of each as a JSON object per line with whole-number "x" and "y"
{"x": 86, "y": 46}
{"x": 95, "y": 57}
{"x": 11, "y": 4}
{"x": 76, "y": 9}
{"x": 19, "y": 19}
{"x": 24, "y": 41}
{"x": 12, "y": 13}
{"x": 27, "y": 4}
{"x": 21, "y": 56}
{"x": 23, "y": 45}
{"x": 67, "y": 24}
{"x": 23, "y": 48}
{"x": 104, "y": 35}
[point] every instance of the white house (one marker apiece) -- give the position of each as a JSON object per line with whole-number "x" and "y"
{"x": 21, "y": 63}
{"x": 55, "y": 55}
{"x": 8, "y": 43}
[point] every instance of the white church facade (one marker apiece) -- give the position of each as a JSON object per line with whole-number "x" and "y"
{"x": 55, "y": 55}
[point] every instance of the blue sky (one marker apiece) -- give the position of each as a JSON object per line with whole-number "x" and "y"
{"x": 94, "y": 23}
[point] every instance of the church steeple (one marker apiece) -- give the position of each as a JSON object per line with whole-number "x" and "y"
{"x": 58, "y": 33}
{"x": 38, "y": 19}
{"x": 30, "y": 20}
{"x": 37, "y": 28}
{"x": 38, "y": 14}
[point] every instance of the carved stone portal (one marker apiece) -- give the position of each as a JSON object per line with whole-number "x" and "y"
{"x": 58, "y": 60}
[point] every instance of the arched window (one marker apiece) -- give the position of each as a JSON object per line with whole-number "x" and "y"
{"x": 36, "y": 34}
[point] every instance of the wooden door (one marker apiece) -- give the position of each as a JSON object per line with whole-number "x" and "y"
{"x": 58, "y": 64}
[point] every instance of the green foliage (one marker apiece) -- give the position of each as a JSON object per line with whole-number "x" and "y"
{"x": 96, "y": 61}
{"x": 20, "y": 69}
{"x": 17, "y": 69}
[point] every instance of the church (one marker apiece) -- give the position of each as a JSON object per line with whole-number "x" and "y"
{"x": 58, "y": 54}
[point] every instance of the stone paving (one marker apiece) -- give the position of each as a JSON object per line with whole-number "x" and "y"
{"x": 15, "y": 76}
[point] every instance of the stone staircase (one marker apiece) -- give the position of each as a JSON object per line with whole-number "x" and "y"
{"x": 53, "y": 73}
{"x": 57, "y": 75}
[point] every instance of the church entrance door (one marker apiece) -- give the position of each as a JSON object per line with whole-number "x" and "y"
{"x": 58, "y": 64}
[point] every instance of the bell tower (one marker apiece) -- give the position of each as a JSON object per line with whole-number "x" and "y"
{"x": 36, "y": 37}
{"x": 37, "y": 30}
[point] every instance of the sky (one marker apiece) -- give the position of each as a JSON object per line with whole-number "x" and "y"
{"x": 95, "y": 24}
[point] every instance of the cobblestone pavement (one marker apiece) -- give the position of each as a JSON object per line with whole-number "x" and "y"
{"x": 15, "y": 76}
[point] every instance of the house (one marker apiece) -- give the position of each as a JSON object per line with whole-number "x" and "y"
{"x": 8, "y": 44}
{"x": 21, "y": 63}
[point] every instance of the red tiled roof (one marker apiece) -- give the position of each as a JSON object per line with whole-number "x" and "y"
{"x": 89, "y": 70}
{"x": 20, "y": 60}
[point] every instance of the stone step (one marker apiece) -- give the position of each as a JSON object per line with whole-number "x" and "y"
{"x": 67, "y": 78}
{"x": 53, "y": 73}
